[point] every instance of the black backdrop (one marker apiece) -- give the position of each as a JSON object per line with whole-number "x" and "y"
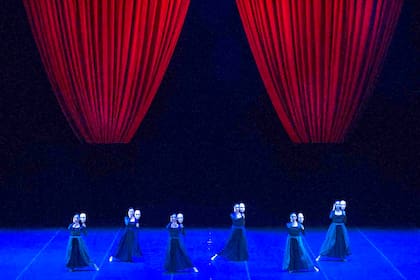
{"x": 211, "y": 138}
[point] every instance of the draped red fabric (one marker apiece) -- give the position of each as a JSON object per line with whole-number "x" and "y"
{"x": 318, "y": 59}
{"x": 105, "y": 59}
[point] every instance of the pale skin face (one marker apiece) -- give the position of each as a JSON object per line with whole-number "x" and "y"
{"x": 172, "y": 219}
{"x": 76, "y": 219}
{"x": 300, "y": 218}
{"x": 130, "y": 213}
{"x": 137, "y": 214}
{"x": 180, "y": 218}
{"x": 236, "y": 208}
{"x": 337, "y": 206}
{"x": 242, "y": 207}
{"x": 83, "y": 218}
{"x": 343, "y": 205}
{"x": 293, "y": 218}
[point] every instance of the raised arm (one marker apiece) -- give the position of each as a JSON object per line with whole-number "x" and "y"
{"x": 182, "y": 229}
{"x": 83, "y": 230}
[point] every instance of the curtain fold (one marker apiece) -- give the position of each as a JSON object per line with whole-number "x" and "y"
{"x": 318, "y": 59}
{"x": 105, "y": 59}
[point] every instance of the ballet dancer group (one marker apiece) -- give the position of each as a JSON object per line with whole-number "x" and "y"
{"x": 297, "y": 256}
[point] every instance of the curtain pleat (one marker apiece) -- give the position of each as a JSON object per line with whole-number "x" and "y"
{"x": 105, "y": 59}
{"x": 318, "y": 59}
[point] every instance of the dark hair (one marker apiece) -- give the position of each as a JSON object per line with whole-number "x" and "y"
{"x": 76, "y": 215}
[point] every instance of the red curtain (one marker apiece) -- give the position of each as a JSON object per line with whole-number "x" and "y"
{"x": 318, "y": 59}
{"x": 106, "y": 59}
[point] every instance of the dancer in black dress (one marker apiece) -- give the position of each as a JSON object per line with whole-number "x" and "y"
{"x": 236, "y": 248}
{"x": 77, "y": 255}
{"x": 296, "y": 255}
{"x": 128, "y": 249}
{"x": 176, "y": 256}
{"x": 301, "y": 219}
{"x": 336, "y": 244}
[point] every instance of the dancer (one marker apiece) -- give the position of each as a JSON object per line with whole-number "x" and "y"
{"x": 128, "y": 247}
{"x": 77, "y": 255}
{"x": 336, "y": 244}
{"x": 236, "y": 248}
{"x": 296, "y": 256}
{"x": 176, "y": 256}
{"x": 301, "y": 219}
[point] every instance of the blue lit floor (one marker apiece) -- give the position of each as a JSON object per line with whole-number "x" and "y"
{"x": 377, "y": 254}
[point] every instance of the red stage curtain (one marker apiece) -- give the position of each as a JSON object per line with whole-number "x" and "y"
{"x": 318, "y": 59}
{"x": 106, "y": 59}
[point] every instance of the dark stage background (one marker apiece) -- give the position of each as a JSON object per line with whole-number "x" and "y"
{"x": 211, "y": 138}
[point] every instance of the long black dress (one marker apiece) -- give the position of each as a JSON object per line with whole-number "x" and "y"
{"x": 236, "y": 248}
{"x": 296, "y": 256}
{"x": 176, "y": 256}
{"x": 77, "y": 255}
{"x": 336, "y": 243}
{"x": 128, "y": 249}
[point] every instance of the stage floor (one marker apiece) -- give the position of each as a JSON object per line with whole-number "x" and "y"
{"x": 376, "y": 254}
